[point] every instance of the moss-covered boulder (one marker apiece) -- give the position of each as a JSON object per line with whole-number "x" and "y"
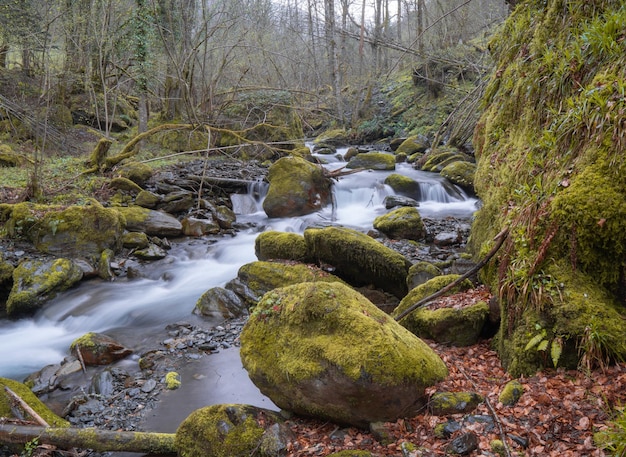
{"x": 550, "y": 156}
{"x": 147, "y": 199}
{"x": 324, "y": 350}
{"x": 37, "y": 281}
{"x": 403, "y": 223}
{"x": 423, "y": 291}
{"x": 438, "y": 159}
{"x": 98, "y": 349}
{"x": 373, "y": 161}
{"x": 413, "y": 144}
{"x": 335, "y": 137}
{"x": 153, "y": 223}
{"x": 232, "y": 430}
{"x": 512, "y": 392}
{"x": 421, "y": 272}
{"x": 280, "y": 245}
{"x": 404, "y": 185}
{"x": 7, "y": 402}
{"x": 74, "y": 231}
{"x": 125, "y": 185}
{"x": 460, "y": 173}
{"x": 297, "y": 187}
{"x": 358, "y": 258}
{"x": 261, "y": 277}
{"x": 8, "y": 157}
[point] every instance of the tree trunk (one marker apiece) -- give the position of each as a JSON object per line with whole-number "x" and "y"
{"x": 90, "y": 438}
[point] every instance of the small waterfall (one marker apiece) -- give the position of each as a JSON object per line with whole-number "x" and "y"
{"x": 252, "y": 201}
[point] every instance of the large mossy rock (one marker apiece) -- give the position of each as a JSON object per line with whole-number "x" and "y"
{"x": 297, "y": 187}
{"x": 150, "y": 222}
{"x": 402, "y": 223}
{"x": 404, "y": 185}
{"x": 74, "y": 231}
{"x": 359, "y": 259}
{"x": 373, "y": 161}
{"x": 37, "y": 281}
{"x": 460, "y": 173}
{"x": 550, "y": 155}
{"x": 280, "y": 245}
{"x": 324, "y": 350}
{"x": 232, "y": 430}
{"x": 22, "y": 391}
{"x": 98, "y": 349}
{"x": 261, "y": 277}
{"x": 221, "y": 303}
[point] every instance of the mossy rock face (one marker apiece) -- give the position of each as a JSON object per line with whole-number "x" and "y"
{"x": 426, "y": 289}
{"x": 6, "y": 270}
{"x": 37, "y": 281}
{"x": 75, "y": 231}
{"x": 232, "y": 431}
{"x": 31, "y": 400}
{"x": 280, "y": 245}
{"x": 402, "y": 223}
{"x": 412, "y": 145}
{"x": 404, "y": 185}
{"x": 337, "y": 137}
{"x": 324, "y": 350}
{"x": 373, "y": 161}
{"x": 551, "y": 168}
{"x": 456, "y": 327}
{"x": 460, "y": 173}
{"x": 153, "y": 223}
{"x": 137, "y": 172}
{"x": 297, "y": 187}
{"x": 438, "y": 159}
{"x": 358, "y": 258}
{"x": 261, "y": 277}
{"x": 445, "y": 403}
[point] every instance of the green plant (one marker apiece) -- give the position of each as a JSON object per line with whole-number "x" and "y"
{"x": 29, "y": 448}
{"x": 592, "y": 349}
{"x": 541, "y": 342}
{"x": 614, "y": 438}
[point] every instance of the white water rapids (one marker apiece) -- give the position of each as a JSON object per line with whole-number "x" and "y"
{"x": 131, "y": 309}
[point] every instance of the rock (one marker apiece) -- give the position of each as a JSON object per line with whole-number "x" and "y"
{"x": 22, "y": 391}
{"x": 438, "y": 159}
{"x": 404, "y": 185}
{"x": 463, "y": 444}
{"x": 447, "y": 238}
{"x": 135, "y": 240}
{"x": 220, "y": 302}
{"x": 336, "y": 137}
{"x": 199, "y": 227}
{"x": 358, "y": 258}
{"x": 297, "y": 187}
{"x": 147, "y": 199}
{"x": 460, "y": 173}
{"x": 511, "y": 393}
{"x": 152, "y": 223}
{"x": 151, "y": 252}
{"x": 324, "y": 350}
{"x": 136, "y": 172}
{"x": 125, "y": 185}
{"x": 37, "y": 281}
{"x": 8, "y": 157}
{"x": 261, "y": 277}
{"x": 445, "y": 403}
{"x": 421, "y": 272}
{"x": 373, "y": 161}
{"x": 74, "y": 231}
{"x": 224, "y": 216}
{"x": 232, "y": 431}
{"x": 402, "y": 223}
{"x": 177, "y": 202}
{"x": 104, "y": 265}
{"x": 98, "y": 349}
{"x": 280, "y": 245}
{"x": 392, "y": 201}
{"x": 412, "y": 145}
{"x": 102, "y": 384}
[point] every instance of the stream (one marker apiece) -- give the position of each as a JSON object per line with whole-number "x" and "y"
{"x": 135, "y": 311}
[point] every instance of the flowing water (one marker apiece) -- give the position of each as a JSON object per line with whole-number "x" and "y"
{"x": 131, "y": 310}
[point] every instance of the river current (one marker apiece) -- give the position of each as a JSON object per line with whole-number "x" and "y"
{"x": 132, "y": 310}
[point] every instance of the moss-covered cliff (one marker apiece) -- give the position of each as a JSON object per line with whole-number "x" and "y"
{"x": 550, "y": 148}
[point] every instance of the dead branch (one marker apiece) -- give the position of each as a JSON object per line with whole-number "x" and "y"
{"x": 31, "y": 412}
{"x": 499, "y": 238}
{"x": 90, "y": 438}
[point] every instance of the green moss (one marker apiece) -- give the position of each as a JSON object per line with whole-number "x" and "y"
{"x": 125, "y": 185}
{"x": 280, "y": 245}
{"x": 25, "y": 394}
{"x": 411, "y": 146}
{"x": 172, "y": 380}
{"x": 306, "y": 321}
{"x": 511, "y": 393}
{"x": 401, "y": 223}
{"x": 85, "y": 341}
{"x": 221, "y": 431}
{"x": 403, "y": 185}
{"x": 373, "y": 161}
{"x": 336, "y": 137}
{"x": 460, "y": 173}
{"x": 445, "y": 403}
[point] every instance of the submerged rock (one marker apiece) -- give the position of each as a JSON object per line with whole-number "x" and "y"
{"x": 324, "y": 350}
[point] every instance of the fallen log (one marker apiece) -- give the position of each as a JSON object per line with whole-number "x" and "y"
{"x": 90, "y": 438}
